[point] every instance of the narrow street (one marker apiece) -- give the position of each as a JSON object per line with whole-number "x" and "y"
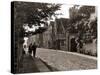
{"x": 63, "y": 60}
{"x": 48, "y": 60}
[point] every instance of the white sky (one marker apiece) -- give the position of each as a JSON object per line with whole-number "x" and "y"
{"x": 64, "y": 10}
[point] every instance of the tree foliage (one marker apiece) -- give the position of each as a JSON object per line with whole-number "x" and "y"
{"x": 87, "y": 10}
{"x": 33, "y": 14}
{"x": 81, "y": 23}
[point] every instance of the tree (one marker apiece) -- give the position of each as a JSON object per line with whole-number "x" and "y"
{"x": 32, "y": 14}
{"x": 80, "y": 21}
{"x": 87, "y": 10}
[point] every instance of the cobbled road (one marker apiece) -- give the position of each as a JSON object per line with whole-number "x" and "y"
{"x": 63, "y": 60}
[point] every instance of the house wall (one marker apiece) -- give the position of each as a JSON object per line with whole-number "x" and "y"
{"x": 47, "y": 38}
{"x": 61, "y": 37}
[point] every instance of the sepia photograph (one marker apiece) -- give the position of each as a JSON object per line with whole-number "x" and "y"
{"x": 52, "y": 37}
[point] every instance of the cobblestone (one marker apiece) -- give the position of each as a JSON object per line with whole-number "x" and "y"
{"x": 63, "y": 60}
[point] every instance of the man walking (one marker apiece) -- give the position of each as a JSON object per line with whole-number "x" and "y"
{"x": 34, "y": 46}
{"x": 30, "y": 49}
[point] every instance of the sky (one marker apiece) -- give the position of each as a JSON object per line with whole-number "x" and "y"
{"x": 64, "y": 10}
